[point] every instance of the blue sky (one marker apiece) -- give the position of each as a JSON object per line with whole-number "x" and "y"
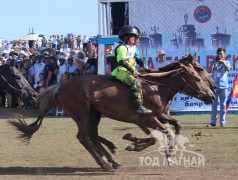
{"x": 48, "y": 17}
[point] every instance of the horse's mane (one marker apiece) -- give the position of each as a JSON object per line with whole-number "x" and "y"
{"x": 169, "y": 67}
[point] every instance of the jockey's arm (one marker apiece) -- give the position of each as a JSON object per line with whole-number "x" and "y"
{"x": 122, "y": 58}
{"x": 126, "y": 65}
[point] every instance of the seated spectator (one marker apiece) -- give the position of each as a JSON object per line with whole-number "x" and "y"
{"x": 71, "y": 65}
{"x": 71, "y": 75}
{"x": 77, "y": 72}
{"x": 31, "y": 71}
{"x": 81, "y": 61}
{"x": 19, "y": 64}
{"x": 64, "y": 78}
{"x": 40, "y": 85}
{"x": 91, "y": 66}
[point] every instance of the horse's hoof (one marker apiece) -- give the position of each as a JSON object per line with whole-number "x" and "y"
{"x": 107, "y": 167}
{"x": 114, "y": 151}
{"x": 116, "y": 165}
{"x": 130, "y": 147}
{"x": 169, "y": 161}
{"x": 127, "y": 136}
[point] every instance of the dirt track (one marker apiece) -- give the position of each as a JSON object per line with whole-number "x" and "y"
{"x": 55, "y": 153}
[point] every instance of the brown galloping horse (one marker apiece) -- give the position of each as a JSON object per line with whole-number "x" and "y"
{"x": 165, "y": 117}
{"x": 86, "y": 98}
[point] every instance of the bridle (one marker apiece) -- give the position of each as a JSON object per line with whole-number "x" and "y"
{"x": 189, "y": 85}
{"x": 16, "y": 90}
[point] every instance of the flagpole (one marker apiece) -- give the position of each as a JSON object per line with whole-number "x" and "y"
{"x": 233, "y": 94}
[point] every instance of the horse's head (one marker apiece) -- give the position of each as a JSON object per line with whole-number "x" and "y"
{"x": 185, "y": 78}
{"x": 201, "y": 71}
{"x": 12, "y": 80}
{"x": 195, "y": 85}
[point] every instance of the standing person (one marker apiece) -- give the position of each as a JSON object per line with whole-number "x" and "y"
{"x": 91, "y": 49}
{"x": 72, "y": 41}
{"x": 125, "y": 72}
{"x": 71, "y": 65}
{"x": 85, "y": 43}
{"x": 61, "y": 39}
{"x": 161, "y": 60}
{"x": 19, "y": 43}
{"x": 44, "y": 42}
{"x": 79, "y": 42}
{"x": 39, "y": 67}
{"x": 62, "y": 68}
{"x": 54, "y": 42}
{"x": 15, "y": 47}
{"x": 31, "y": 71}
{"x": 48, "y": 71}
{"x": 66, "y": 50}
{"x": 219, "y": 69}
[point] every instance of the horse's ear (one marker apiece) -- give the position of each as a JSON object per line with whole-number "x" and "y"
{"x": 195, "y": 55}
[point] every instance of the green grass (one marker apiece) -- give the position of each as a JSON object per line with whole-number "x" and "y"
{"x": 54, "y": 150}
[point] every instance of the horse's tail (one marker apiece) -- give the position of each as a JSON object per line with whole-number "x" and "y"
{"x": 47, "y": 100}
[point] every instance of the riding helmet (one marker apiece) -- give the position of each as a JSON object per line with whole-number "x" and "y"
{"x": 127, "y": 30}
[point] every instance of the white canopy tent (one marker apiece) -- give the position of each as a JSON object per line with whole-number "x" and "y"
{"x": 31, "y": 37}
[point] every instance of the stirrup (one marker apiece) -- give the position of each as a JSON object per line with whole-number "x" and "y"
{"x": 143, "y": 110}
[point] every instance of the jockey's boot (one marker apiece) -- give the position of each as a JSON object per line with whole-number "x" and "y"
{"x": 141, "y": 109}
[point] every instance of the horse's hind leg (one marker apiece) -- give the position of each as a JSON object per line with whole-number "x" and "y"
{"x": 95, "y": 117}
{"x": 83, "y": 124}
{"x": 109, "y": 144}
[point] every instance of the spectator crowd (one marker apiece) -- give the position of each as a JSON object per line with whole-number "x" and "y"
{"x": 48, "y": 61}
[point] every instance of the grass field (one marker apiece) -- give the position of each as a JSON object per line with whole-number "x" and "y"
{"x": 55, "y": 153}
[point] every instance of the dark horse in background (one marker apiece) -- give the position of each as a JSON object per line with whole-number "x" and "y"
{"x": 13, "y": 81}
{"x": 86, "y": 98}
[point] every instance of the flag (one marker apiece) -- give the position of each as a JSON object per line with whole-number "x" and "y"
{"x": 233, "y": 94}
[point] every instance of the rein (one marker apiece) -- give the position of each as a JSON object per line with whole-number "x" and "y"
{"x": 156, "y": 83}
